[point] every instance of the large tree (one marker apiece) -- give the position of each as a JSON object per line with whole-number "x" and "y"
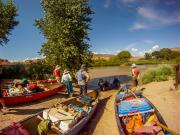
{"x": 8, "y": 12}
{"x": 124, "y": 55}
{"x": 65, "y": 25}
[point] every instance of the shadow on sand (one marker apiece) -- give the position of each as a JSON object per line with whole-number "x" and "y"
{"x": 91, "y": 125}
{"x": 20, "y": 111}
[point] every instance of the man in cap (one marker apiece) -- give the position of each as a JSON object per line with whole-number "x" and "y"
{"x": 82, "y": 77}
{"x": 135, "y": 74}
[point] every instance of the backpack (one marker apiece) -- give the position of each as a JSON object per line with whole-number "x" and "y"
{"x": 80, "y": 76}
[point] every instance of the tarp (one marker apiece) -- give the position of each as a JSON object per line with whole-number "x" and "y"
{"x": 135, "y": 105}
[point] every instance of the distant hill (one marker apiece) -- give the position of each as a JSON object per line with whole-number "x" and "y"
{"x": 4, "y": 62}
{"x": 176, "y": 49}
{"x": 102, "y": 56}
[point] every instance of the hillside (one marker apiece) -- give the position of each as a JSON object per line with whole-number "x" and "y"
{"x": 4, "y": 62}
{"x": 102, "y": 56}
{"x": 176, "y": 49}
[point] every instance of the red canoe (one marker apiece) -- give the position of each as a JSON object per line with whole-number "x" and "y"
{"x": 14, "y": 100}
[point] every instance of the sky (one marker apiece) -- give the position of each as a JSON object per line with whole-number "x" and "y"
{"x": 138, "y": 26}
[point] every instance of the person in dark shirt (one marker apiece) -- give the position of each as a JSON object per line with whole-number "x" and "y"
{"x": 101, "y": 84}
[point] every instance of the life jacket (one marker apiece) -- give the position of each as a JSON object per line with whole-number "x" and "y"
{"x": 32, "y": 87}
{"x": 134, "y": 123}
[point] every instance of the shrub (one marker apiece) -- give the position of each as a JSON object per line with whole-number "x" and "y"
{"x": 162, "y": 73}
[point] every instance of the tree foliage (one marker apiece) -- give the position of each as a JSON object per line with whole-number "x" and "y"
{"x": 124, "y": 55}
{"x": 166, "y": 54}
{"x": 8, "y": 12}
{"x": 65, "y": 25}
{"x": 147, "y": 55}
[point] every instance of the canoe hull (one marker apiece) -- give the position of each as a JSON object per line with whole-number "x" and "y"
{"x": 33, "y": 97}
{"x": 120, "y": 126}
{"x": 76, "y": 129}
{"x": 31, "y": 123}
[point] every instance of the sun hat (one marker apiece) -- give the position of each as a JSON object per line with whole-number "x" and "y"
{"x": 66, "y": 71}
{"x": 133, "y": 65}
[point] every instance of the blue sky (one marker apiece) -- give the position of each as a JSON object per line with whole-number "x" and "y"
{"x": 136, "y": 25}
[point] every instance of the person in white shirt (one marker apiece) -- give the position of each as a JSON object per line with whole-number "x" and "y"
{"x": 67, "y": 80}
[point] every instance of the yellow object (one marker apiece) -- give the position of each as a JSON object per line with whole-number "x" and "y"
{"x": 167, "y": 129}
{"x": 151, "y": 118}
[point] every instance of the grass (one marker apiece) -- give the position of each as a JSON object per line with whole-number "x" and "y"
{"x": 162, "y": 73}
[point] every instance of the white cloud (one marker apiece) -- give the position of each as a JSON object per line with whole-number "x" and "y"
{"x": 95, "y": 52}
{"x": 155, "y": 47}
{"x": 159, "y": 16}
{"x": 134, "y": 49}
{"x": 138, "y": 26}
{"x": 139, "y": 52}
{"x": 149, "y": 17}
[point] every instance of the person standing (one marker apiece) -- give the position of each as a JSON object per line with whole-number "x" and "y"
{"x": 135, "y": 74}
{"x": 2, "y": 101}
{"x": 57, "y": 73}
{"x": 177, "y": 78}
{"x": 82, "y": 77}
{"x": 67, "y": 80}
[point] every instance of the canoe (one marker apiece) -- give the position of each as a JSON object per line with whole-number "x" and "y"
{"x": 31, "y": 123}
{"x": 126, "y": 110}
{"x": 14, "y": 100}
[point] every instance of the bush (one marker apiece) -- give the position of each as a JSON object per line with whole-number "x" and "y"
{"x": 33, "y": 70}
{"x": 162, "y": 73}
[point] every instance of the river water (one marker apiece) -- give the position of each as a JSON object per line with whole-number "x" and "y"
{"x": 123, "y": 73}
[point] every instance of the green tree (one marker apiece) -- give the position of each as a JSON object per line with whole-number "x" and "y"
{"x": 156, "y": 54}
{"x": 65, "y": 25}
{"x": 147, "y": 55}
{"x": 124, "y": 55}
{"x": 8, "y": 12}
{"x": 165, "y": 53}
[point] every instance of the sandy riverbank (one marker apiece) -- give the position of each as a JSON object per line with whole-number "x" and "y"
{"x": 103, "y": 121}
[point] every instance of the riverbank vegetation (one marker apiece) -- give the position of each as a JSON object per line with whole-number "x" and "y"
{"x": 31, "y": 70}
{"x": 162, "y": 73}
{"x": 163, "y": 56}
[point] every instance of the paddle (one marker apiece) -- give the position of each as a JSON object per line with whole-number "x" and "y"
{"x": 166, "y": 128}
